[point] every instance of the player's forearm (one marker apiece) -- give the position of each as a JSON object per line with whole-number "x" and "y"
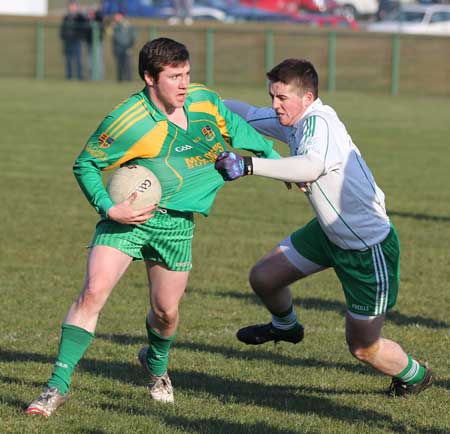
{"x": 249, "y": 139}
{"x": 239, "y": 107}
{"x": 257, "y": 144}
{"x": 290, "y": 169}
{"x": 244, "y": 136}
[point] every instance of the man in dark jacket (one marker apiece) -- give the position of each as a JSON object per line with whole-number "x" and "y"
{"x": 71, "y": 33}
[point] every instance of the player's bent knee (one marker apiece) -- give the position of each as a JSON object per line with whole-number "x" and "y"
{"x": 365, "y": 354}
{"x": 259, "y": 279}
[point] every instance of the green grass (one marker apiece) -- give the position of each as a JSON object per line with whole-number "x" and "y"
{"x": 221, "y": 386}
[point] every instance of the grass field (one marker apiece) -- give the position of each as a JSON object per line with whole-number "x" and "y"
{"x": 221, "y": 386}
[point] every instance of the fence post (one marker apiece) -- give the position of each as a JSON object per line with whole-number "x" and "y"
{"x": 395, "y": 64}
{"x": 95, "y": 55}
{"x": 40, "y": 51}
{"x": 209, "y": 67}
{"x": 269, "y": 57}
{"x": 152, "y": 33}
{"x": 331, "y": 61}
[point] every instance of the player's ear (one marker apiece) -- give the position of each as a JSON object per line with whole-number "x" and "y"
{"x": 308, "y": 98}
{"x": 149, "y": 80}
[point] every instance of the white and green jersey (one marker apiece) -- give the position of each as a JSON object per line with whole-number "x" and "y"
{"x": 349, "y": 205}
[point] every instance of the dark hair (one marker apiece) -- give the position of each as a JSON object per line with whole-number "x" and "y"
{"x": 161, "y": 52}
{"x": 300, "y": 72}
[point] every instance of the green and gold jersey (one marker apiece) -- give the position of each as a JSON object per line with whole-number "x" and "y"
{"x": 137, "y": 132}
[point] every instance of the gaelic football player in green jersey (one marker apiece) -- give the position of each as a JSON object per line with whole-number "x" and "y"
{"x": 351, "y": 232}
{"x": 176, "y": 129}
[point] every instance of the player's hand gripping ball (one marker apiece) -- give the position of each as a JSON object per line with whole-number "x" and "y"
{"x": 134, "y": 178}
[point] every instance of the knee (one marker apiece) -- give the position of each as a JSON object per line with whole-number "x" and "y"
{"x": 259, "y": 279}
{"x": 165, "y": 316}
{"x": 364, "y": 353}
{"x": 92, "y": 299}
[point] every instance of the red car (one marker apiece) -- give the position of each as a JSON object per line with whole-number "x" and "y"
{"x": 292, "y": 7}
{"x": 323, "y": 20}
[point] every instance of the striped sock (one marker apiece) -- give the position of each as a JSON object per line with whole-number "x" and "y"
{"x": 413, "y": 373}
{"x": 285, "y": 320}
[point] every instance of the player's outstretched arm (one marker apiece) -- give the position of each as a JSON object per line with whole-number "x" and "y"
{"x": 240, "y": 135}
{"x": 263, "y": 119}
{"x": 305, "y": 168}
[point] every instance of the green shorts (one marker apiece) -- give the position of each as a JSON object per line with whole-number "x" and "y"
{"x": 166, "y": 237}
{"x": 370, "y": 278}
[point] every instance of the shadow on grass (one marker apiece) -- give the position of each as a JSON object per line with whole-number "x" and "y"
{"x": 295, "y": 399}
{"x": 314, "y": 303}
{"x": 122, "y": 371}
{"x": 11, "y": 380}
{"x": 215, "y": 426}
{"x": 419, "y": 216}
{"x": 281, "y": 398}
{"x": 400, "y": 319}
{"x": 13, "y": 402}
{"x": 255, "y": 354}
{"x": 258, "y": 354}
{"x": 83, "y": 430}
{"x": 445, "y": 384}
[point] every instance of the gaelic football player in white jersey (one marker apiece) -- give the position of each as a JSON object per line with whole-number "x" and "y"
{"x": 351, "y": 231}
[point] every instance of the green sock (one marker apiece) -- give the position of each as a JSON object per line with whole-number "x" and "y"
{"x": 413, "y": 373}
{"x": 73, "y": 344}
{"x": 158, "y": 351}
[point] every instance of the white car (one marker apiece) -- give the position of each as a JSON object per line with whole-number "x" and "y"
{"x": 357, "y": 8}
{"x": 416, "y": 20}
{"x": 197, "y": 13}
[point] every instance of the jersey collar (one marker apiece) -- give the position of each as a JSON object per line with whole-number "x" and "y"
{"x": 312, "y": 107}
{"x": 155, "y": 112}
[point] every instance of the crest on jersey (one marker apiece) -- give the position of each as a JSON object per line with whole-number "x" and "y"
{"x": 105, "y": 141}
{"x": 208, "y": 133}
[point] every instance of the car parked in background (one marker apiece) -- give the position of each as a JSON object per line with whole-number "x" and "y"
{"x": 327, "y": 20}
{"x": 313, "y": 13}
{"x": 317, "y": 6}
{"x": 387, "y": 7}
{"x": 357, "y": 9}
{"x": 415, "y": 19}
{"x": 320, "y": 12}
{"x": 247, "y": 13}
{"x": 162, "y": 9}
{"x": 292, "y": 7}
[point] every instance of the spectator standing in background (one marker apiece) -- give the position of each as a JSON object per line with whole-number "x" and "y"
{"x": 123, "y": 38}
{"x": 183, "y": 12}
{"x": 95, "y": 47}
{"x": 71, "y": 33}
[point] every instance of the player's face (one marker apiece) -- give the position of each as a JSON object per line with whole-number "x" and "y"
{"x": 170, "y": 91}
{"x": 289, "y": 102}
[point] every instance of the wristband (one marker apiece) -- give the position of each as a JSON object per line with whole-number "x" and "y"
{"x": 248, "y": 165}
